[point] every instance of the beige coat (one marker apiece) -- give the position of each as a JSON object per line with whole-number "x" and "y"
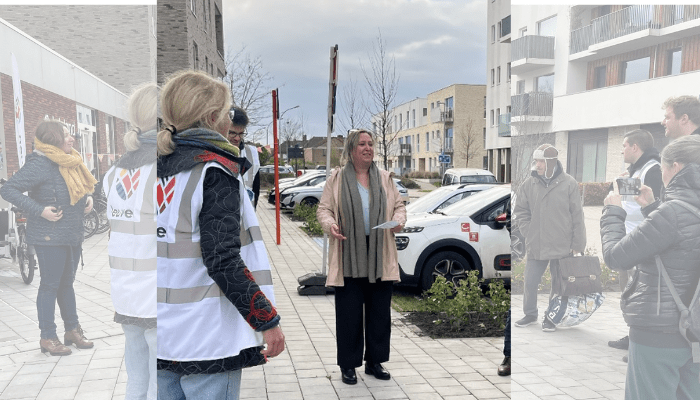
{"x": 328, "y": 212}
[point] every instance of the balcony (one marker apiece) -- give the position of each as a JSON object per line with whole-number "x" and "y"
{"x": 504, "y": 125}
{"x": 640, "y": 21}
{"x": 404, "y": 150}
{"x": 531, "y": 52}
{"x": 447, "y": 116}
{"x": 535, "y": 106}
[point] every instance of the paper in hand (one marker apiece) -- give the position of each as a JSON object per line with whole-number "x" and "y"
{"x": 387, "y": 225}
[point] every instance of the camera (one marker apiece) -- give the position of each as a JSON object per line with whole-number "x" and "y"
{"x": 629, "y": 186}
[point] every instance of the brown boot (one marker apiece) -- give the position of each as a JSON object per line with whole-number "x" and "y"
{"x": 76, "y": 336}
{"x": 54, "y": 347}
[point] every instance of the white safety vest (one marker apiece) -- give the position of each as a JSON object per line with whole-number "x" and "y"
{"x": 634, "y": 210}
{"x": 132, "y": 243}
{"x": 251, "y": 154}
{"x": 196, "y": 322}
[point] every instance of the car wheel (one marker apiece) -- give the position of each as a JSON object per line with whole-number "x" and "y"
{"x": 448, "y": 264}
{"x": 310, "y": 201}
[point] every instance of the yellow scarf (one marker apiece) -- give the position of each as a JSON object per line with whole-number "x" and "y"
{"x": 78, "y": 179}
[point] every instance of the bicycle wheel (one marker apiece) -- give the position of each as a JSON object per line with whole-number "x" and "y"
{"x": 101, "y": 208}
{"x": 25, "y": 260}
{"x": 90, "y": 223}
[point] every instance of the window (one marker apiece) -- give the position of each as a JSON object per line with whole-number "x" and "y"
{"x": 407, "y": 119}
{"x": 547, "y": 27}
{"x": 206, "y": 63}
{"x": 195, "y": 54}
{"x": 449, "y": 103}
{"x": 219, "y": 30}
{"x": 498, "y": 116}
{"x": 498, "y": 75}
{"x": 673, "y": 66}
{"x": 522, "y": 32}
{"x": 635, "y": 70}
{"x": 492, "y": 118}
{"x": 484, "y": 145}
{"x": 427, "y": 141}
{"x": 153, "y": 21}
{"x": 484, "y": 106}
{"x": 417, "y": 143}
{"x": 520, "y": 87}
{"x": 413, "y": 120}
{"x": 448, "y": 139}
{"x": 493, "y": 33}
{"x": 587, "y": 155}
{"x": 508, "y": 72}
{"x": 544, "y": 83}
{"x": 193, "y": 7}
{"x": 493, "y": 76}
{"x": 498, "y": 30}
{"x": 425, "y": 111}
{"x": 400, "y": 121}
{"x": 599, "y": 77}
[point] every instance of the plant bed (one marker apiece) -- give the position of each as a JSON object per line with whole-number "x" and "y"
{"x": 480, "y": 325}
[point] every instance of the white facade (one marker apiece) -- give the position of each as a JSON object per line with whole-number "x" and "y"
{"x": 497, "y": 103}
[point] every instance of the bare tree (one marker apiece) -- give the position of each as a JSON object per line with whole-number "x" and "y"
{"x": 354, "y": 111}
{"x": 290, "y": 132}
{"x": 468, "y": 147}
{"x": 248, "y": 82}
{"x": 382, "y": 87}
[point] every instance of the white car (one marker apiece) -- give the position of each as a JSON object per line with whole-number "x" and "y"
{"x": 462, "y": 237}
{"x": 455, "y": 176}
{"x": 304, "y": 180}
{"x": 269, "y": 169}
{"x": 445, "y": 196}
{"x": 311, "y": 195}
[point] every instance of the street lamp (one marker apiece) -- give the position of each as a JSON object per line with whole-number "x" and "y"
{"x": 267, "y": 132}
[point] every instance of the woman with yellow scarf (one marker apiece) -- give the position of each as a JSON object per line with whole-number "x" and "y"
{"x": 59, "y": 185}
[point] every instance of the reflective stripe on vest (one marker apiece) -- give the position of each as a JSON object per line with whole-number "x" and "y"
{"x": 251, "y": 154}
{"x": 190, "y": 304}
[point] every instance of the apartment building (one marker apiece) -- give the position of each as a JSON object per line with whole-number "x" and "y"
{"x": 190, "y": 36}
{"x": 586, "y": 75}
{"x": 497, "y": 101}
{"x": 448, "y": 121}
{"x": 53, "y": 87}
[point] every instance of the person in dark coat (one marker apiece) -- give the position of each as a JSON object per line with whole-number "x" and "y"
{"x": 660, "y": 361}
{"x": 59, "y": 185}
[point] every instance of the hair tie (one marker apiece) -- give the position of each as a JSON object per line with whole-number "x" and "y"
{"x": 172, "y": 129}
{"x": 137, "y": 130}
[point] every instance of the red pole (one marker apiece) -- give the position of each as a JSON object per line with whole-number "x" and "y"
{"x": 275, "y": 117}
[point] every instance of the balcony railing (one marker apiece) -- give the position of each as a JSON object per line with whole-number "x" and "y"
{"x": 447, "y": 116}
{"x": 504, "y": 125}
{"x": 537, "y": 104}
{"x": 630, "y": 20}
{"x": 505, "y": 26}
{"x": 404, "y": 150}
{"x": 532, "y": 47}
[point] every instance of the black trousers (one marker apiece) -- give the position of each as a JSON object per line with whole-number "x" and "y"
{"x": 353, "y": 321}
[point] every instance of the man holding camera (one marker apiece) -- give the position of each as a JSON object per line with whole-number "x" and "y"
{"x": 549, "y": 214}
{"x": 638, "y": 151}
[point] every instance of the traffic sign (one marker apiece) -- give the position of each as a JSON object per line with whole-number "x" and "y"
{"x": 444, "y": 158}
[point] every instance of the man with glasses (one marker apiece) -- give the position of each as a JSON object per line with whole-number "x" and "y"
{"x": 236, "y": 134}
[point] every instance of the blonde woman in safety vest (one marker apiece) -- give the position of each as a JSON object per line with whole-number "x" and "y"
{"x": 130, "y": 189}
{"x": 215, "y": 297}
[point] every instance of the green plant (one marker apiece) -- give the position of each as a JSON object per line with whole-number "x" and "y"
{"x": 409, "y": 183}
{"x": 423, "y": 175}
{"x": 437, "y": 184}
{"x": 594, "y": 192}
{"x": 466, "y": 303}
{"x": 307, "y": 214}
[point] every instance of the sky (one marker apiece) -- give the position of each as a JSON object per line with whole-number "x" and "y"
{"x": 435, "y": 43}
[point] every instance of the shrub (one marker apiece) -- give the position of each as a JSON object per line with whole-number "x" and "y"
{"x": 307, "y": 214}
{"x": 423, "y": 175}
{"x": 409, "y": 183}
{"x": 465, "y": 303}
{"x": 268, "y": 180}
{"x": 594, "y": 192}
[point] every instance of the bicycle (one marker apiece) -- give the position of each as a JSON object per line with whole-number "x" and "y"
{"x": 90, "y": 223}
{"x": 24, "y": 252}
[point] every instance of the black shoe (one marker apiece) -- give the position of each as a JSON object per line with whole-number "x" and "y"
{"x": 378, "y": 371}
{"x": 622, "y": 344}
{"x": 504, "y": 368}
{"x": 348, "y": 376}
{"x": 527, "y": 320}
{"x": 548, "y": 326}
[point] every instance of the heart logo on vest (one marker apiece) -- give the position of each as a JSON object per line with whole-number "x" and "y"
{"x": 128, "y": 182}
{"x": 165, "y": 192}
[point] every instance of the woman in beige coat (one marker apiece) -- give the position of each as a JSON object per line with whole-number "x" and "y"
{"x": 362, "y": 262}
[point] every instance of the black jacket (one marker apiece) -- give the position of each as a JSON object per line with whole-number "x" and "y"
{"x": 670, "y": 231}
{"x": 41, "y": 178}
{"x": 653, "y": 175}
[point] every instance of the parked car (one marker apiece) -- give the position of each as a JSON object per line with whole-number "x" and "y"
{"x": 462, "y": 237}
{"x": 311, "y": 195}
{"x": 467, "y": 175}
{"x": 284, "y": 169}
{"x": 402, "y": 190}
{"x": 445, "y": 196}
{"x": 308, "y": 179}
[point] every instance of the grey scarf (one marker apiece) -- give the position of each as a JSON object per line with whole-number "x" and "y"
{"x": 358, "y": 260}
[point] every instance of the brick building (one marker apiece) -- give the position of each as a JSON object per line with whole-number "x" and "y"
{"x": 55, "y": 87}
{"x": 190, "y": 35}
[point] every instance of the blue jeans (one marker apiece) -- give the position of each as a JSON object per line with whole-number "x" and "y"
{"x": 506, "y": 341}
{"x": 140, "y": 358}
{"x": 222, "y": 386}
{"x": 57, "y": 265}
{"x": 661, "y": 373}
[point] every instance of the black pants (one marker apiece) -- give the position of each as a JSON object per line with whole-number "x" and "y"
{"x": 352, "y": 320}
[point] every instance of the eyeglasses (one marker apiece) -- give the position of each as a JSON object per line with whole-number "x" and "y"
{"x": 239, "y": 134}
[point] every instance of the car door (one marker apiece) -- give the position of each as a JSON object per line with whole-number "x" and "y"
{"x": 493, "y": 241}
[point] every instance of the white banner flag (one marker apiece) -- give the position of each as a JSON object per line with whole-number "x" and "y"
{"x": 19, "y": 112}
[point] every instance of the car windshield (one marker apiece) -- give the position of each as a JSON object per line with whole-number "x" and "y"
{"x": 476, "y": 201}
{"x": 425, "y": 203}
{"x": 477, "y": 179}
